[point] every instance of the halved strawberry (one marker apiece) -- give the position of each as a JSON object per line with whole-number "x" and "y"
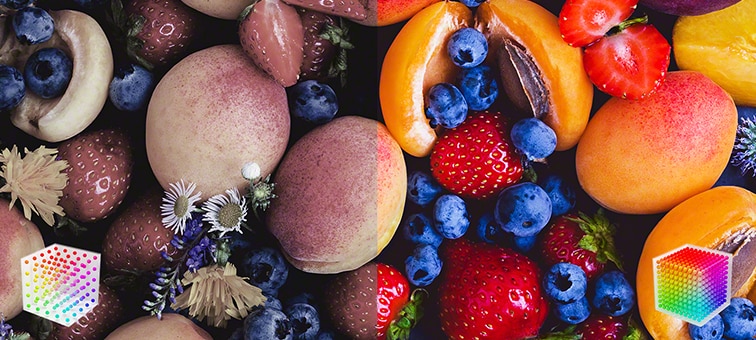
{"x": 582, "y": 22}
{"x": 476, "y": 159}
{"x": 630, "y": 64}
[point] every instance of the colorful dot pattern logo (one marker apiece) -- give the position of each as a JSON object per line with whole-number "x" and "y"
{"x": 693, "y": 283}
{"x": 60, "y": 283}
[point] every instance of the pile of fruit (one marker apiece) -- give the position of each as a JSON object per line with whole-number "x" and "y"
{"x": 378, "y": 169}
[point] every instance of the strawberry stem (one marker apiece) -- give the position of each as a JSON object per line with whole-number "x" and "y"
{"x": 599, "y": 237}
{"x": 629, "y": 22}
{"x": 408, "y": 317}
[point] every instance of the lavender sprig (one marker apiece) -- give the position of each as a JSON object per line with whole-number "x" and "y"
{"x": 744, "y": 150}
{"x": 6, "y": 331}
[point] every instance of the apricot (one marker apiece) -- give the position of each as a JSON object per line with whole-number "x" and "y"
{"x": 341, "y": 192}
{"x": 393, "y": 11}
{"x": 646, "y": 156}
{"x": 721, "y": 218}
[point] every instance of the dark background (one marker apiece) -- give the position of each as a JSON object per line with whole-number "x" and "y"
{"x": 359, "y": 97}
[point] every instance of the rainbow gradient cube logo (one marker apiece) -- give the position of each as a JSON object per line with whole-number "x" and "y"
{"x": 60, "y": 283}
{"x": 693, "y": 283}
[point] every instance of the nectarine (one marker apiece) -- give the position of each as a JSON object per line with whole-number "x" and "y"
{"x": 645, "y": 156}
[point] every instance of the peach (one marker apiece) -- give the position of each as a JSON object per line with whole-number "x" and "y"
{"x": 20, "y": 238}
{"x": 646, "y": 156}
{"x": 212, "y": 113}
{"x": 172, "y": 326}
{"x": 394, "y": 11}
{"x": 341, "y": 192}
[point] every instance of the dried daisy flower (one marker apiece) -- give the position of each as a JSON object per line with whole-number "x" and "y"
{"x": 216, "y": 293}
{"x": 178, "y": 204}
{"x": 37, "y": 180}
{"x": 226, "y": 212}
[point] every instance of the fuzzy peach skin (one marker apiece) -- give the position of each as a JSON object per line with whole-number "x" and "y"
{"x": 222, "y": 9}
{"x": 722, "y": 218}
{"x": 648, "y": 155}
{"x": 20, "y": 238}
{"x": 210, "y": 114}
{"x": 341, "y": 192}
{"x": 394, "y": 11}
{"x": 172, "y": 327}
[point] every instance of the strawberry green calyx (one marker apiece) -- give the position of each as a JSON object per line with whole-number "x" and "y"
{"x": 566, "y": 334}
{"x": 629, "y": 22}
{"x": 634, "y": 331}
{"x": 408, "y": 317}
{"x": 599, "y": 237}
{"x": 744, "y": 150}
{"x": 339, "y": 37}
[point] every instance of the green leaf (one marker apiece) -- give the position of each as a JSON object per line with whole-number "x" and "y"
{"x": 41, "y": 327}
{"x": 599, "y": 237}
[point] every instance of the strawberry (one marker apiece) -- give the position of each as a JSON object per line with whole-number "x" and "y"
{"x": 326, "y": 42}
{"x": 136, "y": 238}
{"x": 603, "y": 327}
{"x": 349, "y": 9}
{"x": 99, "y": 173}
{"x": 477, "y": 158}
{"x": 271, "y": 34}
{"x": 629, "y": 64}
{"x": 489, "y": 292}
{"x": 158, "y": 32}
{"x": 353, "y": 296}
{"x": 582, "y": 22}
{"x": 585, "y": 241}
{"x": 99, "y": 322}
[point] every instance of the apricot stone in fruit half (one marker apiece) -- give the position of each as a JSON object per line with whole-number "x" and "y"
{"x": 173, "y": 326}
{"x": 721, "y": 218}
{"x": 646, "y": 156}
{"x": 20, "y": 238}
{"x": 687, "y": 7}
{"x": 212, "y": 113}
{"x": 341, "y": 192}
{"x": 81, "y": 38}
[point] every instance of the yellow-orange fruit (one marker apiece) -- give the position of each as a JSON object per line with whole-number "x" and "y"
{"x": 646, "y": 156}
{"x": 721, "y": 218}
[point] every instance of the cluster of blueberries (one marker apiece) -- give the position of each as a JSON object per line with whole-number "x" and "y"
{"x": 736, "y": 322}
{"x": 525, "y": 204}
{"x": 566, "y": 285}
{"x": 47, "y": 71}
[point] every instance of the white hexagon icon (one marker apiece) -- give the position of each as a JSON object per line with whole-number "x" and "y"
{"x": 60, "y": 283}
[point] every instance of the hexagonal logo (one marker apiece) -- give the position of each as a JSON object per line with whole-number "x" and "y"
{"x": 60, "y": 283}
{"x": 693, "y": 283}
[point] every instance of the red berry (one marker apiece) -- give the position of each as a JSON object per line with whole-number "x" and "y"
{"x": 600, "y": 326}
{"x": 582, "y": 22}
{"x": 476, "y": 159}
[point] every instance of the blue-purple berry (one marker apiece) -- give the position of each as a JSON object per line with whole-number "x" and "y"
{"x": 131, "y": 87}
{"x": 562, "y": 194}
{"x": 423, "y": 266}
{"x": 523, "y": 209}
{"x": 16, "y": 4}
{"x": 565, "y": 283}
{"x": 33, "y": 25}
{"x": 573, "y": 313}
{"x": 313, "y": 102}
{"x": 467, "y": 47}
{"x": 711, "y": 330}
{"x": 266, "y": 324}
{"x": 266, "y": 268}
{"x": 422, "y": 188}
{"x": 613, "y": 294}
{"x": 488, "y": 230}
{"x": 450, "y": 216}
{"x": 479, "y": 87}
{"x": 739, "y": 319}
{"x": 13, "y": 87}
{"x": 304, "y": 320}
{"x": 48, "y": 72}
{"x": 446, "y": 106}
{"x": 524, "y": 243}
{"x": 533, "y": 138}
{"x": 418, "y": 229}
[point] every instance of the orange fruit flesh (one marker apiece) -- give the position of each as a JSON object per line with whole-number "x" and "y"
{"x": 721, "y": 45}
{"x": 415, "y": 61}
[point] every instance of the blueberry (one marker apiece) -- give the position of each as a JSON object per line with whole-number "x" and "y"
{"x": 313, "y": 102}
{"x": 533, "y": 138}
{"x": 48, "y": 72}
{"x": 467, "y": 47}
{"x": 479, "y": 87}
{"x": 565, "y": 282}
{"x": 16, "y": 4}
{"x": 131, "y": 87}
{"x": 267, "y": 324}
{"x": 472, "y": 3}
{"x": 326, "y": 335}
{"x": 711, "y": 330}
{"x": 562, "y": 195}
{"x": 423, "y": 266}
{"x": 573, "y": 313}
{"x": 304, "y": 320}
{"x": 266, "y": 269}
{"x": 613, "y": 295}
{"x": 739, "y": 319}
{"x": 418, "y": 229}
{"x": 446, "y": 106}
{"x": 303, "y": 297}
{"x": 13, "y": 87}
{"x": 525, "y": 243}
{"x": 450, "y": 216}
{"x": 523, "y": 209}
{"x": 90, "y": 4}
{"x": 272, "y": 302}
{"x": 488, "y": 230}
{"x": 422, "y": 188}
{"x": 33, "y": 25}
{"x": 238, "y": 334}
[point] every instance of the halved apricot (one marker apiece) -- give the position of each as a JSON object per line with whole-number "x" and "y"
{"x": 722, "y": 218}
{"x": 540, "y": 72}
{"x": 415, "y": 61}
